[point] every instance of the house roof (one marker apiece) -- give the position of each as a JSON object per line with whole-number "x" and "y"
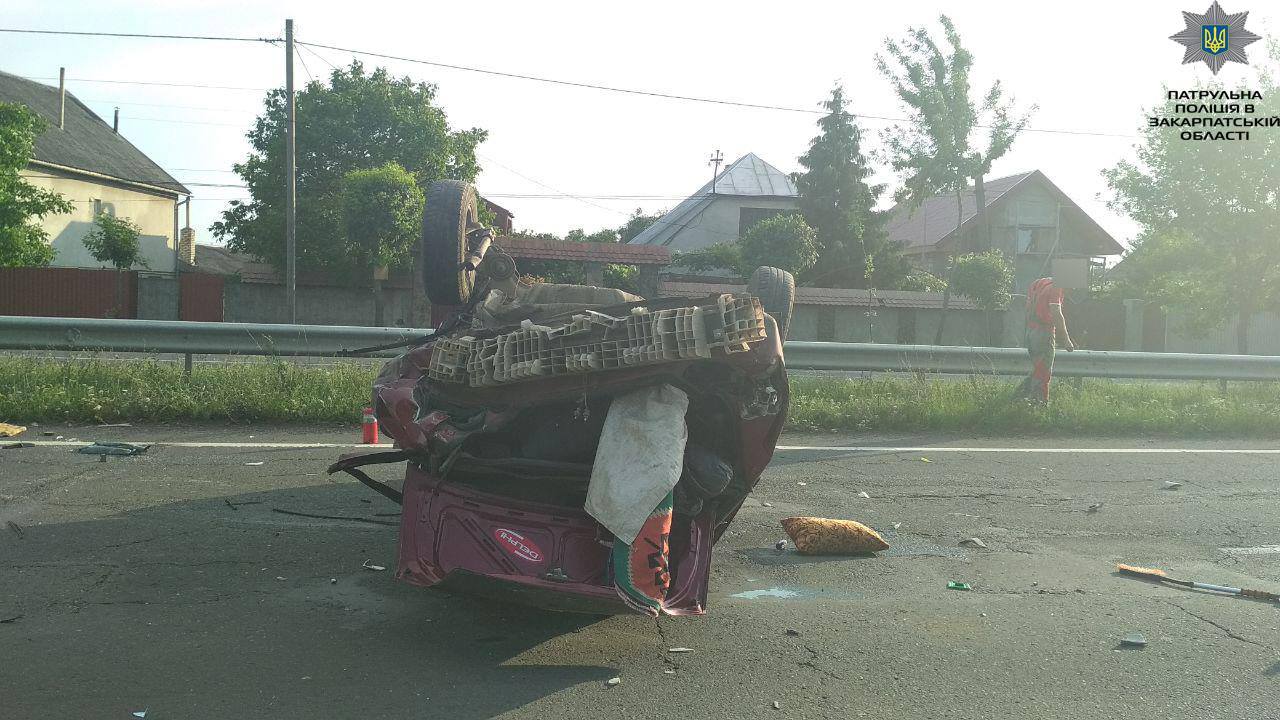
{"x": 934, "y": 222}
{"x": 828, "y": 296}
{"x": 537, "y": 249}
{"x": 748, "y": 176}
{"x": 86, "y": 143}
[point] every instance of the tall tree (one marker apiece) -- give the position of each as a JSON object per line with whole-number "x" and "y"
{"x": 382, "y": 209}
{"x": 22, "y": 241}
{"x": 637, "y": 223}
{"x": 357, "y": 121}
{"x": 783, "y": 241}
{"x": 935, "y": 151}
{"x": 838, "y": 202}
{"x": 1210, "y": 217}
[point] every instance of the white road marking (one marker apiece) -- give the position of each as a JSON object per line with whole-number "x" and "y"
{"x": 781, "y": 448}
{"x": 1259, "y": 550}
{"x": 1101, "y": 451}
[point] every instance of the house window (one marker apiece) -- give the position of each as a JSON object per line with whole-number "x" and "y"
{"x": 1036, "y": 239}
{"x": 100, "y": 207}
{"x": 749, "y": 216}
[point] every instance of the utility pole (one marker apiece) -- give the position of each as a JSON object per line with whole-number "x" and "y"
{"x": 716, "y": 159}
{"x": 291, "y": 179}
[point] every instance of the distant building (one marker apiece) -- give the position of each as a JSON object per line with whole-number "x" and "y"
{"x": 1029, "y": 219}
{"x": 98, "y": 170}
{"x": 748, "y": 191}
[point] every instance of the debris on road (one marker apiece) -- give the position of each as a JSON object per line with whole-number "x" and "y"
{"x": 15, "y": 528}
{"x": 115, "y": 425}
{"x": 780, "y": 545}
{"x": 369, "y": 566}
{"x": 953, "y": 585}
{"x": 10, "y": 620}
{"x": 140, "y": 713}
{"x": 121, "y": 449}
{"x": 679, "y": 650}
{"x": 256, "y": 463}
{"x": 1158, "y": 575}
{"x": 1172, "y": 485}
{"x": 777, "y": 705}
{"x": 16, "y": 445}
{"x": 802, "y": 484}
{"x": 1133, "y": 640}
{"x": 613, "y": 681}
{"x": 825, "y": 536}
{"x": 282, "y": 511}
{"x": 793, "y": 632}
{"x": 766, "y": 504}
{"x": 1094, "y": 508}
{"x": 863, "y": 494}
{"x": 973, "y": 542}
{"x": 9, "y": 430}
{"x": 925, "y": 459}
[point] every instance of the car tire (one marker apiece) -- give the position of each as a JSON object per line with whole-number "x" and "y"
{"x": 450, "y": 209}
{"x": 776, "y": 289}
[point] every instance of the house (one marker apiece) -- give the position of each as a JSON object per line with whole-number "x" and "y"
{"x": 1029, "y": 220}
{"x": 85, "y": 160}
{"x": 748, "y": 191}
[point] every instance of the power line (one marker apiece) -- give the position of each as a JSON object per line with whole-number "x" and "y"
{"x": 138, "y": 35}
{"x": 184, "y": 122}
{"x": 298, "y": 52}
{"x": 663, "y": 95}
{"x": 157, "y": 84}
{"x": 323, "y": 59}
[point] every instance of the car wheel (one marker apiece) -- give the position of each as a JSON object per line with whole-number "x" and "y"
{"x": 450, "y": 210}
{"x": 776, "y": 289}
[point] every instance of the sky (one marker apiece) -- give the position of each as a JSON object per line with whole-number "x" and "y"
{"x": 1089, "y": 68}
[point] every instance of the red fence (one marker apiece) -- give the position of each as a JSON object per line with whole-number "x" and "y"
{"x": 201, "y": 297}
{"x": 68, "y": 292}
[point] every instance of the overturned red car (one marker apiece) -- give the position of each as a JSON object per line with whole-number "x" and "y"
{"x": 572, "y": 447}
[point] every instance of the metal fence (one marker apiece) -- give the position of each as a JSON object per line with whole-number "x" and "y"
{"x": 151, "y": 336}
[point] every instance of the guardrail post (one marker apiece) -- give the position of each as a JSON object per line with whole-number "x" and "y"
{"x": 186, "y": 365}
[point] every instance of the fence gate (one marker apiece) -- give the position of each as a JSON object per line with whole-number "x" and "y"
{"x": 200, "y": 297}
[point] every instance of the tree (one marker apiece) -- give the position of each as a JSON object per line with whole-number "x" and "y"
{"x": 357, "y": 121}
{"x": 1210, "y": 218}
{"x": 839, "y": 203}
{"x": 23, "y": 243}
{"x": 986, "y": 278}
{"x": 935, "y": 151}
{"x": 783, "y": 241}
{"x": 636, "y": 224}
{"x": 114, "y": 241}
{"x": 382, "y": 209}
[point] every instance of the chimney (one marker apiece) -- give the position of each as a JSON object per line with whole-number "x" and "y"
{"x": 115, "y": 124}
{"x": 62, "y": 98}
{"x": 187, "y": 245}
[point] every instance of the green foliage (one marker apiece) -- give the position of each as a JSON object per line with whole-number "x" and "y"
{"x": 720, "y": 256}
{"x": 636, "y": 224}
{"x": 357, "y": 121}
{"x": 23, "y": 243}
{"x": 383, "y": 213}
{"x": 1210, "y": 218}
{"x": 839, "y": 203}
{"x": 114, "y": 240}
{"x": 934, "y": 152}
{"x": 783, "y": 241}
{"x": 922, "y": 281}
{"x": 98, "y": 391}
{"x": 986, "y": 278}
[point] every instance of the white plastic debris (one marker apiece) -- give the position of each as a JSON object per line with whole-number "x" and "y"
{"x": 780, "y": 545}
{"x": 863, "y": 494}
{"x": 973, "y": 542}
{"x": 679, "y": 650}
{"x": 777, "y": 705}
{"x": 1172, "y": 485}
{"x": 254, "y": 464}
{"x": 765, "y": 504}
{"x": 802, "y": 484}
{"x": 613, "y": 681}
{"x": 370, "y": 566}
{"x": 897, "y": 525}
{"x": 140, "y": 713}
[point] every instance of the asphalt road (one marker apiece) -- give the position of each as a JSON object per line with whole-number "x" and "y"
{"x": 167, "y": 583}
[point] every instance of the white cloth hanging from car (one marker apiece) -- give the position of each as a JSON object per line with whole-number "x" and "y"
{"x": 639, "y": 459}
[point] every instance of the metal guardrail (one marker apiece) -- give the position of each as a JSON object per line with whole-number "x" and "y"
{"x": 213, "y": 338}
{"x": 162, "y": 336}
{"x": 1014, "y": 361}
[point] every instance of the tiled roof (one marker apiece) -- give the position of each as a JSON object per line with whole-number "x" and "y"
{"x": 535, "y": 249}
{"x": 828, "y": 296}
{"x": 85, "y": 142}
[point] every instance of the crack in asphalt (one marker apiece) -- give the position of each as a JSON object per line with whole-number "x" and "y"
{"x": 1230, "y": 633}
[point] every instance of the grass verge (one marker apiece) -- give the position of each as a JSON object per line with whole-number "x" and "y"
{"x": 96, "y": 391}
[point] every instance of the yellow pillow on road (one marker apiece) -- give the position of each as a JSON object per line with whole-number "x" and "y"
{"x": 824, "y": 536}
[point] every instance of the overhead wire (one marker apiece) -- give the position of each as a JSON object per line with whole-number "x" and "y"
{"x": 154, "y": 36}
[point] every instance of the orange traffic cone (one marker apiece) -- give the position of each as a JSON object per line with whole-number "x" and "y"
{"x": 370, "y": 427}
